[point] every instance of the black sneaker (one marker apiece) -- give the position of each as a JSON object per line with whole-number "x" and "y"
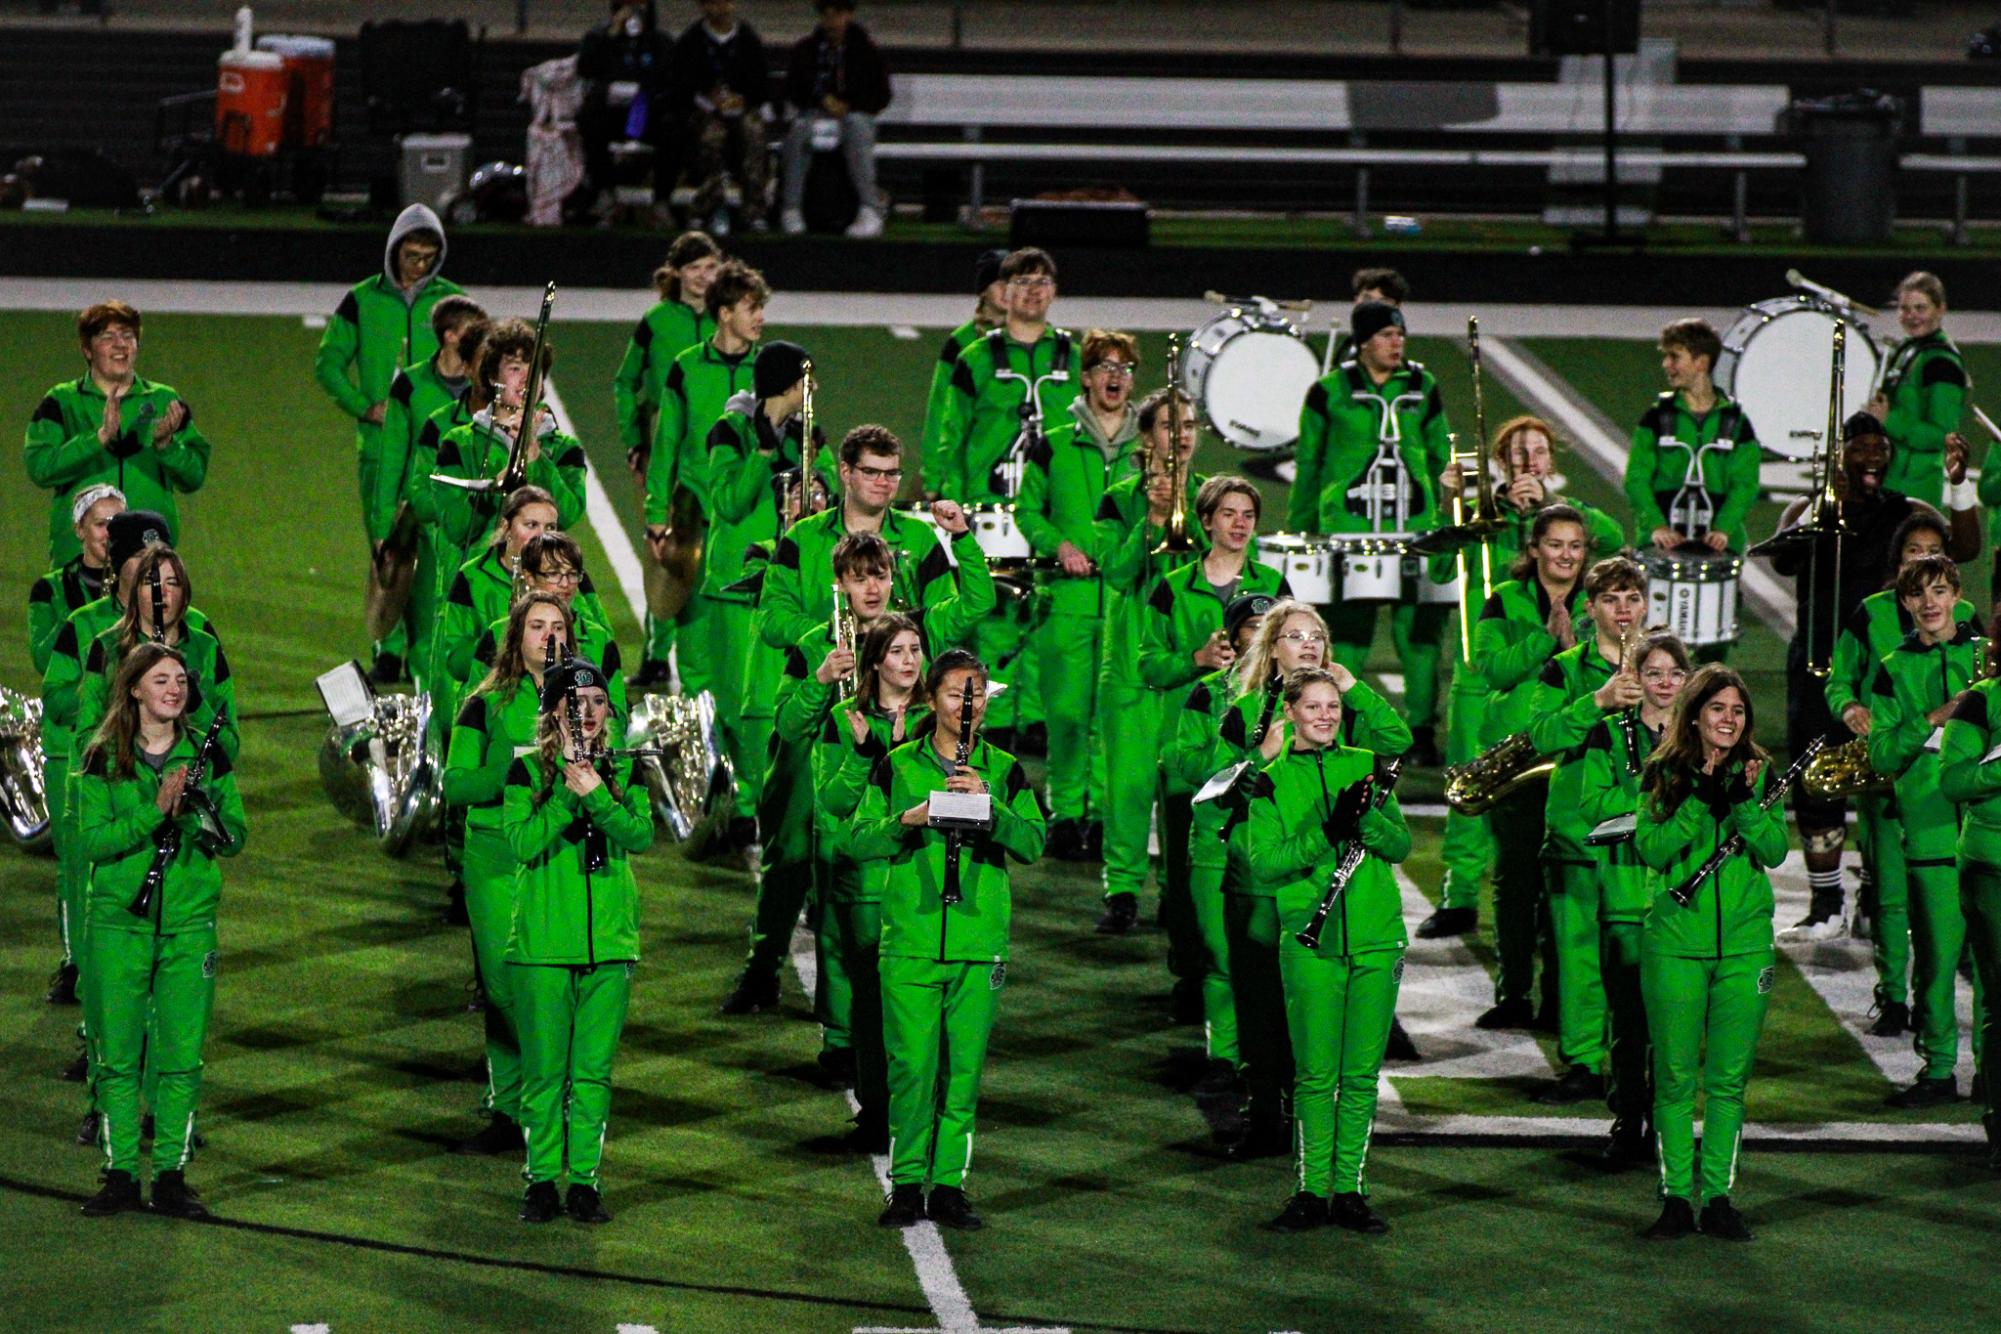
{"x": 1066, "y": 841}
{"x": 838, "y": 1065}
{"x": 1824, "y": 920}
{"x": 500, "y": 1135}
{"x": 173, "y": 1199}
{"x": 62, "y": 985}
{"x": 1508, "y": 1014}
{"x": 752, "y": 995}
{"x": 585, "y": 1205}
{"x": 902, "y": 1207}
{"x": 653, "y": 674}
{"x": 1577, "y": 1084}
{"x": 387, "y": 671}
{"x": 78, "y": 1070}
{"x": 540, "y": 1203}
{"x": 1677, "y": 1220}
{"x": 1352, "y": 1211}
{"x": 1264, "y": 1139}
{"x": 1303, "y": 1212}
{"x": 1721, "y": 1220}
{"x": 86, "y": 1130}
{"x": 119, "y": 1193}
{"x": 1625, "y": 1150}
{"x": 1892, "y": 1018}
{"x": 1925, "y": 1093}
{"x": 1121, "y": 912}
{"x": 1423, "y": 752}
{"x": 1448, "y": 922}
{"x": 1400, "y": 1048}
{"x": 949, "y": 1207}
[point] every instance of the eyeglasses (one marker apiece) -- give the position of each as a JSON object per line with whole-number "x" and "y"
{"x": 1115, "y": 370}
{"x": 1036, "y": 283}
{"x": 1303, "y": 638}
{"x": 878, "y": 474}
{"x": 1656, "y": 674}
{"x": 561, "y": 576}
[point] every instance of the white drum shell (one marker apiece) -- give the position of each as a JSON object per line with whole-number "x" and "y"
{"x": 1776, "y": 359}
{"x": 1249, "y": 374}
{"x": 1693, "y": 596}
{"x": 998, "y": 535}
{"x": 1308, "y": 564}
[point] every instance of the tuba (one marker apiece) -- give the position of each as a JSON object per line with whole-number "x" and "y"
{"x": 1844, "y": 770}
{"x": 1476, "y": 785}
{"x": 23, "y": 797}
{"x": 680, "y": 760}
{"x": 381, "y": 769}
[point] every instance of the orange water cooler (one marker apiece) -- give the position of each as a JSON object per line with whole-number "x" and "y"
{"x": 251, "y": 90}
{"x": 309, "y": 69}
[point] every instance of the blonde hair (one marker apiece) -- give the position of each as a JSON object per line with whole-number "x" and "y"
{"x": 1255, "y": 667}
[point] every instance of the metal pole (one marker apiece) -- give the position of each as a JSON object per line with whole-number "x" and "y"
{"x": 1611, "y": 131}
{"x": 521, "y": 18}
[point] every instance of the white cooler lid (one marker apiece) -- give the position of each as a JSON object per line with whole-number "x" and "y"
{"x": 297, "y": 46}
{"x": 250, "y": 60}
{"x": 424, "y": 141}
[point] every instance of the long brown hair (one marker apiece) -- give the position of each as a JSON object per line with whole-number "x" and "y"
{"x": 129, "y": 632}
{"x": 1671, "y": 769}
{"x": 510, "y": 668}
{"x": 868, "y": 662}
{"x": 688, "y": 247}
{"x": 1523, "y": 565}
{"x": 117, "y": 735}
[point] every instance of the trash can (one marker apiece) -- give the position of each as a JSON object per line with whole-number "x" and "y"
{"x": 1848, "y": 194}
{"x": 433, "y": 168}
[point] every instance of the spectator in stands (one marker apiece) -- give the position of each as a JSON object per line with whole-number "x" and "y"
{"x": 624, "y": 64}
{"x": 836, "y": 75}
{"x": 720, "y": 81}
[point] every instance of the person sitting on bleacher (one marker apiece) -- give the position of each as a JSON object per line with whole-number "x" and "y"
{"x": 837, "y": 75}
{"x": 624, "y": 63}
{"x": 720, "y": 85}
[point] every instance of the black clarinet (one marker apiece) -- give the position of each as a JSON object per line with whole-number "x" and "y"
{"x": 1351, "y": 861}
{"x": 167, "y": 837}
{"x": 1731, "y": 846}
{"x": 955, "y": 839}
{"x": 159, "y": 604}
{"x": 1629, "y": 727}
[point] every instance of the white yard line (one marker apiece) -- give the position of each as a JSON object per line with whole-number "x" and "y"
{"x": 1444, "y": 989}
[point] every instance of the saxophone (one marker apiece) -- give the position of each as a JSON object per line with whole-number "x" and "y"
{"x": 1844, "y": 770}
{"x": 1474, "y": 786}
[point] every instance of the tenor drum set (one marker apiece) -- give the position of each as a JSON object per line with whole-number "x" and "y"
{"x": 1354, "y": 567}
{"x": 1693, "y": 594}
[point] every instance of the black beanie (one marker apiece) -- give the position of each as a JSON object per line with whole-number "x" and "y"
{"x": 779, "y": 366}
{"x": 1859, "y": 425}
{"x": 579, "y": 672}
{"x": 1241, "y": 609}
{"x": 1372, "y": 317}
{"x": 986, "y": 269}
{"x": 132, "y": 531}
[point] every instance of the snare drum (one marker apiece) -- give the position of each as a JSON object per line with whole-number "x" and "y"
{"x": 1693, "y": 594}
{"x": 1775, "y": 362}
{"x": 1421, "y": 588}
{"x": 1371, "y": 565}
{"x": 1248, "y": 372}
{"x": 999, "y": 536}
{"x": 1307, "y": 562}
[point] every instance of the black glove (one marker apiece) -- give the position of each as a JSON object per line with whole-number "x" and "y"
{"x": 1346, "y": 818}
{"x": 1737, "y": 788}
{"x": 124, "y": 445}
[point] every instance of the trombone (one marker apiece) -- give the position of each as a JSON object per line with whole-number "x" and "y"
{"x": 1824, "y": 520}
{"x": 1177, "y": 538}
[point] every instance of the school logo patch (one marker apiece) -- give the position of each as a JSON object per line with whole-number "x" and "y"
{"x": 208, "y": 964}
{"x": 1766, "y": 976}
{"x": 997, "y": 978}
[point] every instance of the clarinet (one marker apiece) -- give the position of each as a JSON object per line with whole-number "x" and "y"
{"x": 955, "y": 839}
{"x": 1351, "y": 861}
{"x": 1734, "y": 844}
{"x": 159, "y": 604}
{"x": 1273, "y": 689}
{"x": 167, "y": 837}
{"x": 1629, "y": 728}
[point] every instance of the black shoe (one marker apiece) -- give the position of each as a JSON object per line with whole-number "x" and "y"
{"x": 1508, "y": 1014}
{"x": 1892, "y": 1018}
{"x": 172, "y": 1198}
{"x": 1925, "y": 1093}
{"x": 1352, "y": 1211}
{"x": 653, "y": 674}
{"x": 1721, "y": 1220}
{"x": 78, "y": 1070}
{"x": 1423, "y": 752}
{"x": 1303, "y": 1212}
{"x": 1184, "y": 1003}
{"x": 1094, "y": 841}
{"x": 1264, "y": 1139}
{"x": 1677, "y": 1220}
{"x": 949, "y": 1207}
{"x": 120, "y": 1193}
{"x": 1625, "y": 1150}
{"x": 1033, "y": 739}
{"x": 387, "y": 671}
{"x": 752, "y": 996}
{"x": 838, "y": 1065}
{"x": 86, "y": 1130}
{"x": 62, "y": 985}
{"x": 1448, "y": 922}
{"x": 501, "y": 1135}
{"x": 540, "y": 1204}
{"x": 1400, "y": 1048}
{"x": 1218, "y": 1078}
{"x": 1066, "y": 841}
{"x": 1121, "y": 912}
{"x": 585, "y": 1205}
{"x": 903, "y": 1207}
{"x": 1577, "y": 1084}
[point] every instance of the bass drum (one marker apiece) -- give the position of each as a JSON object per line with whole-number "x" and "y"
{"x": 1775, "y": 363}
{"x": 1248, "y": 372}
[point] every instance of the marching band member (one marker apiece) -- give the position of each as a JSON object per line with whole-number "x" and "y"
{"x": 1524, "y": 457}
{"x": 697, "y": 387}
{"x": 679, "y": 320}
{"x": 149, "y": 986}
{"x": 1373, "y": 441}
{"x": 1706, "y": 970}
{"x": 1582, "y": 685}
{"x": 1340, "y": 993}
{"x": 483, "y": 589}
{"x": 496, "y": 723}
{"x": 1063, "y": 486}
{"x": 1386, "y": 286}
{"x": 1924, "y": 391}
{"x": 447, "y": 521}
{"x": 943, "y": 963}
{"x": 111, "y": 425}
{"x": 1877, "y": 626}
{"x": 1692, "y": 474}
{"x": 553, "y": 564}
{"x": 573, "y": 821}
{"x": 1131, "y": 524}
{"x": 1915, "y": 689}
{"x": 1608, "y": 785}
{"x": 82, "y": 579}
{"x": 1969, "y": 777}
{"x": 937, "y": 458}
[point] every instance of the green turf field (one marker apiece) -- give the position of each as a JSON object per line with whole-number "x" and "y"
{"x": 342, "y": 1063}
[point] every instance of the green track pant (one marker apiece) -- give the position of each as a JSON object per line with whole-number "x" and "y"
{"x": 1468, "y": 850}
{"x": 131, "y": 974}
{"x": 856, "y": 936}
{"x": 1889, "y": 898}
{"x": 729, "y": 630}
{"x": 1211, "y": 866}
{"x": 1417, "y": 632}
{"x": 71, "y": 869}
{"x": 1129, "y": 738}
{"x": 1069, "y": 670}
{"x": 1517, "y": 822}
{"x": 1580, "y": 989}
{"x": 489, "y": 870}
{"x": 1002, "y": 641}
{"x": 1187, "y": 955}
{"x": 1263, "y": 1045}
{"x": 694, "y": 657}
{"x": 1704, "y": 1016}
{"x": 570, "y": 1019}
{"x": 1339, "y": 1008}
{"x": 936, "y": 1018}
{"x": 1938, "y": 939}
{"x": 1980, "y": 903}
{"x": 1629, "y": 1092}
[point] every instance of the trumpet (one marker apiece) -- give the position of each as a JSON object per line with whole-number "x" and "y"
{"x": 1178, "y": 537}
{"x": 1474, "y": 786}
{"x": 1629, "y": 719}
{"x": 843, "y": 631}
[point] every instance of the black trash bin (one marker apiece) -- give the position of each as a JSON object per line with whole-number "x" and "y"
{"x": 1848, "y": 195}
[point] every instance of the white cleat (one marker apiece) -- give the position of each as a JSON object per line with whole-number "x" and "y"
{"x": 866, "y": 226}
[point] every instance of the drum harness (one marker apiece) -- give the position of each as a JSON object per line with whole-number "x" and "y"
{"x": 1692, "y": 511}
{"x": 1013, "y": 462}
{"x": 1385, "y": 481}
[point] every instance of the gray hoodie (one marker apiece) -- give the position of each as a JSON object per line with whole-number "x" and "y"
{"x": 1088, "y": 428}
{"x": 416, "y": 218}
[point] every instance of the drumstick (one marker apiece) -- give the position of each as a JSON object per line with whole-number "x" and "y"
{"x": 1796, "y": 279}
{"x": 1215, "y": 298}
{"x": 1986, "y": 423}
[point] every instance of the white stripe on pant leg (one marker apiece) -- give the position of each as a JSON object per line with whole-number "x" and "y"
{"x": 187, "y": 1141}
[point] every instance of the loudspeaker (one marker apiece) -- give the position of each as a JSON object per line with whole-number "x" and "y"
{"x": 1061, "y": 222}
{"x": 1577, "y": 27}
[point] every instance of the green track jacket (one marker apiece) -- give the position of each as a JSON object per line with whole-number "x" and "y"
{"x": 416, "y": 396}
{"x": 1720, "y": 444}
{"x": 1511, "y": 646}
{"x": 988, "y": 408}
{"x": 798, "y": 589}
{"x": 1183, "y": 611}
{"x": 1878, "y": 625}
{"x": 840, "y": 779}
{"x": 564, "y": 912}
{"x": 477, "y": 449}
{"x": 209, "y": 684}
{"x": 1927, "y": 385}
{"x": 662, "y": 334}
{"x": 53, "y": 598}
{"x": 745, "y": 454}
{"x": 1911, "y": 681}
{"x": 117, "y": 819}
{"x": 63, "y": 455}
{"x": 1061, "y": 494}
{"x": 1968, "y": 775}
{"x": 1345, "y": 419}
{"x": 1128, "y": 566}
{"x": 1608, "y": 785}
{"x": 1291, "y": 856}
{"x": 698, "y": 386}
{"x": 1562, "y": 713}
{"x": 378, "y": 327}
{"x": 939, "y": 458}
{"x": 492, "y": 731}
{"x": 1732, "y": 911}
